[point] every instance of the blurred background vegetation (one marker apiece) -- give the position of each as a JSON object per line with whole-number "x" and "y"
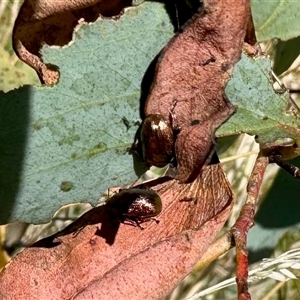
{"x": 13, "y": 72}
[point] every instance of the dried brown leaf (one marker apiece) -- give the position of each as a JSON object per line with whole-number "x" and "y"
{"x": 190, "y": 78}
{"x": 52, "y": 22}
{"x": 122, "y": 259}
{"x": 154, "y": 272}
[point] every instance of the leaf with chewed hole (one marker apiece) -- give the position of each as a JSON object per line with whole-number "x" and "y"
{"x": 78, "y": 131}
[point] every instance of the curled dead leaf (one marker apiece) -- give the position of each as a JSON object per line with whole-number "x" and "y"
{"x": 52, "y": 22}
{"x": 154, "y": 272}
{"x": 106, "y": 253}
{"x": 190, "y": 77}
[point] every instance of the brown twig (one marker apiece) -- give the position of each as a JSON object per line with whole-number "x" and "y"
{"x": 288, "y": 167}
{"x": 245, "y": 221}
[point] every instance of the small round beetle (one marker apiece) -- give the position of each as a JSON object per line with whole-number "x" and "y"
{"x": 135, "y": 205}
{"x": 157, "y": 140}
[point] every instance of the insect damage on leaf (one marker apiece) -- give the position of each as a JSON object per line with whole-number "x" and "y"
{"x": 52, "y": 23}
{"x": 190, "y": 78}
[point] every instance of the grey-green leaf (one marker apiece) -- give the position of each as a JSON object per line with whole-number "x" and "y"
{"x": 68, "y": 143}
{"x": 276, "y": 19}
{"x": 261, "y": 111}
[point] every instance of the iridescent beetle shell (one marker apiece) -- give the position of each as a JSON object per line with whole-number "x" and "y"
{"x": 135, "y": 205}
{"x": 157, "y": 140}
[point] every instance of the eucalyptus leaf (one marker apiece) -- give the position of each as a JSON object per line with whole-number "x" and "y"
{"x": 261, "y": 111}
{"x": 68, "y": 143}
{"x": 276, "y": 19}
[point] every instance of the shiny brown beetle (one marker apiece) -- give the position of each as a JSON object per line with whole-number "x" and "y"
{"x": 157, "y": 140}
{"x": 135, "y": 205}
